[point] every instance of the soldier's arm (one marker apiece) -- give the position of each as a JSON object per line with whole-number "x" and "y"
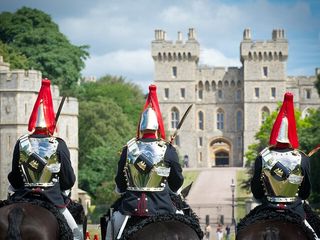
{"x": 256, "y": 183}
{"x": 175, "y": 179}
{"x": 120, "y": 178}
{"x": 67, "y": 177}
{"x": 305, "y": 188}
{"x": 15, "y": 177}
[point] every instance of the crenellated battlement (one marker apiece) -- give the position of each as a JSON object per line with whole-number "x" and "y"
{"x": 18, "y": 79}
{"x": 269, "y": 50}
{"x": 164, "y": 50}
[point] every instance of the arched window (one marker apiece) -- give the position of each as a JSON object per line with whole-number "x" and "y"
{"x": 220, "y": 119}
{"x": 200, "y": 90}
{"x": 174, "y": 117}
{"x": 239, "y": 120}
{"x": 265, "y": 112}
{"x": 207, "y": 86}
{"x": 200, "y": 120}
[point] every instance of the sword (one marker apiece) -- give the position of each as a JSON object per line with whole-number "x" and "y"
{"x": 313, "y": 151}
{"x": 180, "y": 123}
{"x": 59, "y": 110}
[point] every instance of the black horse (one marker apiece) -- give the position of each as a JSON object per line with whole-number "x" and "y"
{"x": 34, "y": 219}
{"x": 269, "y": 224}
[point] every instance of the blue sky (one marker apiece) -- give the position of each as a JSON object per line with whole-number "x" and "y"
{"x": 119, "y": 32}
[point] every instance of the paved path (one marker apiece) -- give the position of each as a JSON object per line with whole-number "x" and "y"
{"x": 211, "y": 194}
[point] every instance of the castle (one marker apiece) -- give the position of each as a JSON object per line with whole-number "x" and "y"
{"x": 229, "y": 104}
{"x": 18, "y": 93}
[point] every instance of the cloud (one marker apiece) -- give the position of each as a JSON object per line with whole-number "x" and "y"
{"x": 121, "y": 63}
{"x": 213, "y": 57}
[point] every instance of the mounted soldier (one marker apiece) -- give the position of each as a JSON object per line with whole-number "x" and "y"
{"x": 148, "y": 171}
{"x": 41, "y": 166}
{"x": 281, "y": 179}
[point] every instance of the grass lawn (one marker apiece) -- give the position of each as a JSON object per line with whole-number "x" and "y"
{"x": 241, "y": 195}
{"x": 189, "y": 176}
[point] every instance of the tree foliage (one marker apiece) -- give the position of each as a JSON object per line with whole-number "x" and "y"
{"x": 32, "y": 33}
{"x": 106, "y": 110}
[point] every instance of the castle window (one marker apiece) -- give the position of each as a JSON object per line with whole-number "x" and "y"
{"x": 256, "y": 92}
{"x": 207, "y": 86}
{"x": 174, "y": 118}
{"x": 220, "y": 94}
{"x": 213, "y": 85}
{"x": 177, "y": 141}
{"x": 200, "y": 90}
{"x": 200, "y": 94}
{"x": 200, "y": 142}
{"x": 307, "y": 93}
{"x": 238, "y": 95}
{"x": 239, "y": 142}
{"x": 200, "y": 120}
{"x": 273, "y": 92}
{"x": 166, "y": 93}
{"x": 183, "y": 92}
{"x": 200, "y": 156}
{"x": 265, "y": 71}
{"x": 239, "y": 121}
{"x": 265, "y": 112}
{"x": 220, "y": 119}
{"x": 174, "y": 72}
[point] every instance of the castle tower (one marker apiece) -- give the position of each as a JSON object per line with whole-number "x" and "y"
{"x": 18, "y": 93}
{"x": 264, "y": 76}
{"x": 175, "y": 72}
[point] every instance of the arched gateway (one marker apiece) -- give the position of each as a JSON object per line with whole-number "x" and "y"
{"x": 220, "y": 152}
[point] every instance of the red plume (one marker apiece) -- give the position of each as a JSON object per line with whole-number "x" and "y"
{"x": 46, "y": 98}
{"x": 152, "y": 101}
{"x": 286, "y": 110}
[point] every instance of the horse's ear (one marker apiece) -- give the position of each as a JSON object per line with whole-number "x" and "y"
{"x": 186, "y": 190}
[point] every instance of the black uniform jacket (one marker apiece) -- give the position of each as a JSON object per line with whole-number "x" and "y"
{"x": 150, "y": 203}
{"x": 53, "y": 194}
{"x": 257, "y": 185}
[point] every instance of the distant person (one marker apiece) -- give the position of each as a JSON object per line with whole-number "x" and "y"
{"x": 207, "y": 232}
{"x": 219, "y": 233}
{"x": 228, "y": 230}
{"x": 186, "y": 161}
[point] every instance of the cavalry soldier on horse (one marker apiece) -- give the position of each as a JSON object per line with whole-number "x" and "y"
{"x": 148, "y": 171}
{"x": 281, "y": 179}
{"x": 41, "y": 166}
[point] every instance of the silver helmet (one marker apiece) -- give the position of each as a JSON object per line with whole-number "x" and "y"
{"x": 283, "y": 131}
{"x": 41, "y": 122}
{"x": 149, "y": 120}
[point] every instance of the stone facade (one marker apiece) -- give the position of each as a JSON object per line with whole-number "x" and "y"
{"x": 231, "y": 103}
{"x": 18, "y": 93}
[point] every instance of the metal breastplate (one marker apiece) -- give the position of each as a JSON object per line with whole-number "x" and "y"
{"x": 281, "y": 174}
{"x": 145, "y": 168}
{"x": 39, "y": 161}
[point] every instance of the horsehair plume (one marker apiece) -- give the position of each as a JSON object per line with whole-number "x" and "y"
{"x": 15, "y": 218}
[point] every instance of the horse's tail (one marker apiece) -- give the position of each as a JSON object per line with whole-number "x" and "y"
{"x": 15, "y": 218}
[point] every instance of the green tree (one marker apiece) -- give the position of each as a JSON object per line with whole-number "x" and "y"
{"x": 104, "y": 128}
{"x": 10, "y": 55}
{"x": 33, "y": 34}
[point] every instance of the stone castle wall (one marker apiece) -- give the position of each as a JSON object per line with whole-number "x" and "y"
{"x": 243, "y": 95}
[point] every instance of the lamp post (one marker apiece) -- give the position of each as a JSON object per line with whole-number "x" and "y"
{"x": 233, "y": 186}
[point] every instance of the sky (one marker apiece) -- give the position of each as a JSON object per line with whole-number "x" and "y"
{"x": 120, "y": 32}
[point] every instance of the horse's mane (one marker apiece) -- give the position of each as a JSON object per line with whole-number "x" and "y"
{"x": 312, "y": 218}
{"x": 261, "y": 213}
{"x": 65, "y": 232}
{"x": 135, "y": 224}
